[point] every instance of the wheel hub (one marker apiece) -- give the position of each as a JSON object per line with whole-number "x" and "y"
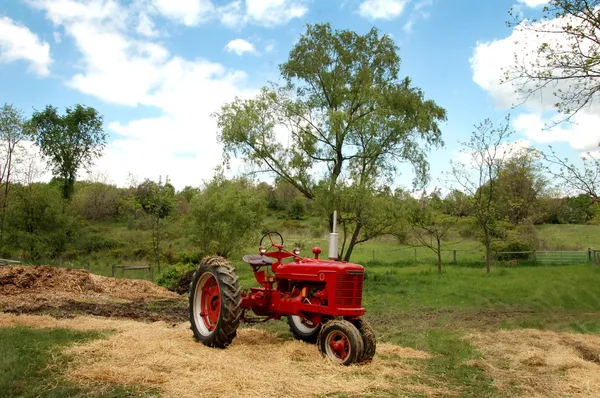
{"x": 209, "y": 300}
{"x": 339, "y": 345}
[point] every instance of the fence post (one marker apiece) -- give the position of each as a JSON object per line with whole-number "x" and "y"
{"x": 534, "y": 257}
{"x": 415, "y": 254}
{"x": 113, "y": 270}
{"x": 373, "y": 255}
{"x": 454, "y": 255}
{"x": 589, "y": 254}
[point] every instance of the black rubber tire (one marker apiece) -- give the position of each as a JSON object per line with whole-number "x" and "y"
{"x": 307, "y": 337}
{"x": 336, "y": 328}
{"x": 228, "y": 321}
{"x": 369, "y": 340}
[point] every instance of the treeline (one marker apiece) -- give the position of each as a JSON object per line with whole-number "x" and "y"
{"x": 152, "y": 221}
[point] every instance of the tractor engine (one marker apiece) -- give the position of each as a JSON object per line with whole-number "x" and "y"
{"x": 323, "y": 283}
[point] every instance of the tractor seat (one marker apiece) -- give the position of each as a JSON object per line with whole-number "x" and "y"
{"x": 257, "y": 259}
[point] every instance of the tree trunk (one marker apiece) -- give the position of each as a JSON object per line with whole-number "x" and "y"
{"x": 439, "y": 255}
{"x": 156, "y": 242}
{"x": 5, "y": 199}
{"x": 488, "y": 250}
{"x": 352, "y": 242}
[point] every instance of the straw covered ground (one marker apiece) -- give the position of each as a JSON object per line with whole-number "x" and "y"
{"x": 257, "y": 364}
{"x": 536, "y": 363}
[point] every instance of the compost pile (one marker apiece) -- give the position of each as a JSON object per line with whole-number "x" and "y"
{"x": 67, "y": 292}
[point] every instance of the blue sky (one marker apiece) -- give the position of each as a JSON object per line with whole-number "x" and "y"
{"x": 156, "y": 69}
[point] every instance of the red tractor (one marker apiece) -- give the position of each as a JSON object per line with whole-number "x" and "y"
{"x": 322, "y": 300}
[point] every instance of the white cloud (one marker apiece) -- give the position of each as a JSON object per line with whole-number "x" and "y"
{"x": 533, "y": 3}
{"x": 381, "y": 9}
{"x": 146, "y": 26}
{"x": 232, "y": 14}
{"x": 181, "y": 140}
{"x": 62, "y": 11}
{"x": 487, "y": 64}
{"x": 419, "y": 11}
{"x": 270, "y": 46}
{"x": 187, "y": 12}
{"x": 492, "y": 60}
{"x": 261, "y": 12}
{"x": 17, "y": 42}
{"x": 472, "y": 161}
{"x": 240, "y": 46}
{"x": 274, "y": 12}
{"x": 582, "y": 134}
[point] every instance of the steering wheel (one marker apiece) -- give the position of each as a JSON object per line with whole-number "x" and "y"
{"x": 271, "y": 235}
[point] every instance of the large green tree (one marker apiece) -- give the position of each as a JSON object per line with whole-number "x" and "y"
{"x": 69, "y": 142}
{"x": 343, "y": 118}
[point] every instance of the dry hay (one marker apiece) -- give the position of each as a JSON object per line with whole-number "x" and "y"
{"x": 543, "y": 364}
{"x": 257, "y": 364}
{"x": 27, "y": 286}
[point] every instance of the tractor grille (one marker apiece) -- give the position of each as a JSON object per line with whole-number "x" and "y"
{"x": 348, "y": 290}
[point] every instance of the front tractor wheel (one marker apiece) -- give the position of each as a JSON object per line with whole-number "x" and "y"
{"x": 368, "y": 338}
{"x": 303, "y": 329}
{"x": 214, "y": 302}
{"x": 341, "y": 342}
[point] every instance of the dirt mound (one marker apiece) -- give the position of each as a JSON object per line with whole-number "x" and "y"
{"x": 257, "y": 364}
{"x": 31, "y": 287}
{"x": 537, "y": 363}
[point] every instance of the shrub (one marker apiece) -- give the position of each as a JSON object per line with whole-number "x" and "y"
{"x": 172, "y": 277}
{"x": 522, "y": 238}
{"x": 296, "y": 209}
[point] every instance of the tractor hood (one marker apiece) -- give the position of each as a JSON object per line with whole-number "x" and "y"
{"x": 317, "y": 270}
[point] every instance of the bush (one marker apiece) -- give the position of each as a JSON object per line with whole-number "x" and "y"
{"x": 522, "y": 238}
{"x": 98, "y": 243}
{"x": 174, "y": 277}
{"x": 193, "y": 257}
{"x": 467, "y": 228}
{"x": 296, "y": 209}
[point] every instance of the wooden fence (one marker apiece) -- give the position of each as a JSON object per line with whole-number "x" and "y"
{"x": 124, "y": 268}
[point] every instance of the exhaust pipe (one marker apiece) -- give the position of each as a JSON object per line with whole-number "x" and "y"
{"x": 333, "y": 239}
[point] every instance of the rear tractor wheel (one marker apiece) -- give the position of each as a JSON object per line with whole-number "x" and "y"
{"x": 341, "y": 342}
{"x": 214, "y": 302}
{"x": 303, "y": 329}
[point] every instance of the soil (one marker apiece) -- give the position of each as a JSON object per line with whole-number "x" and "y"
{"x": 170, "y": 311}
{"x": 66, "y": 293}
